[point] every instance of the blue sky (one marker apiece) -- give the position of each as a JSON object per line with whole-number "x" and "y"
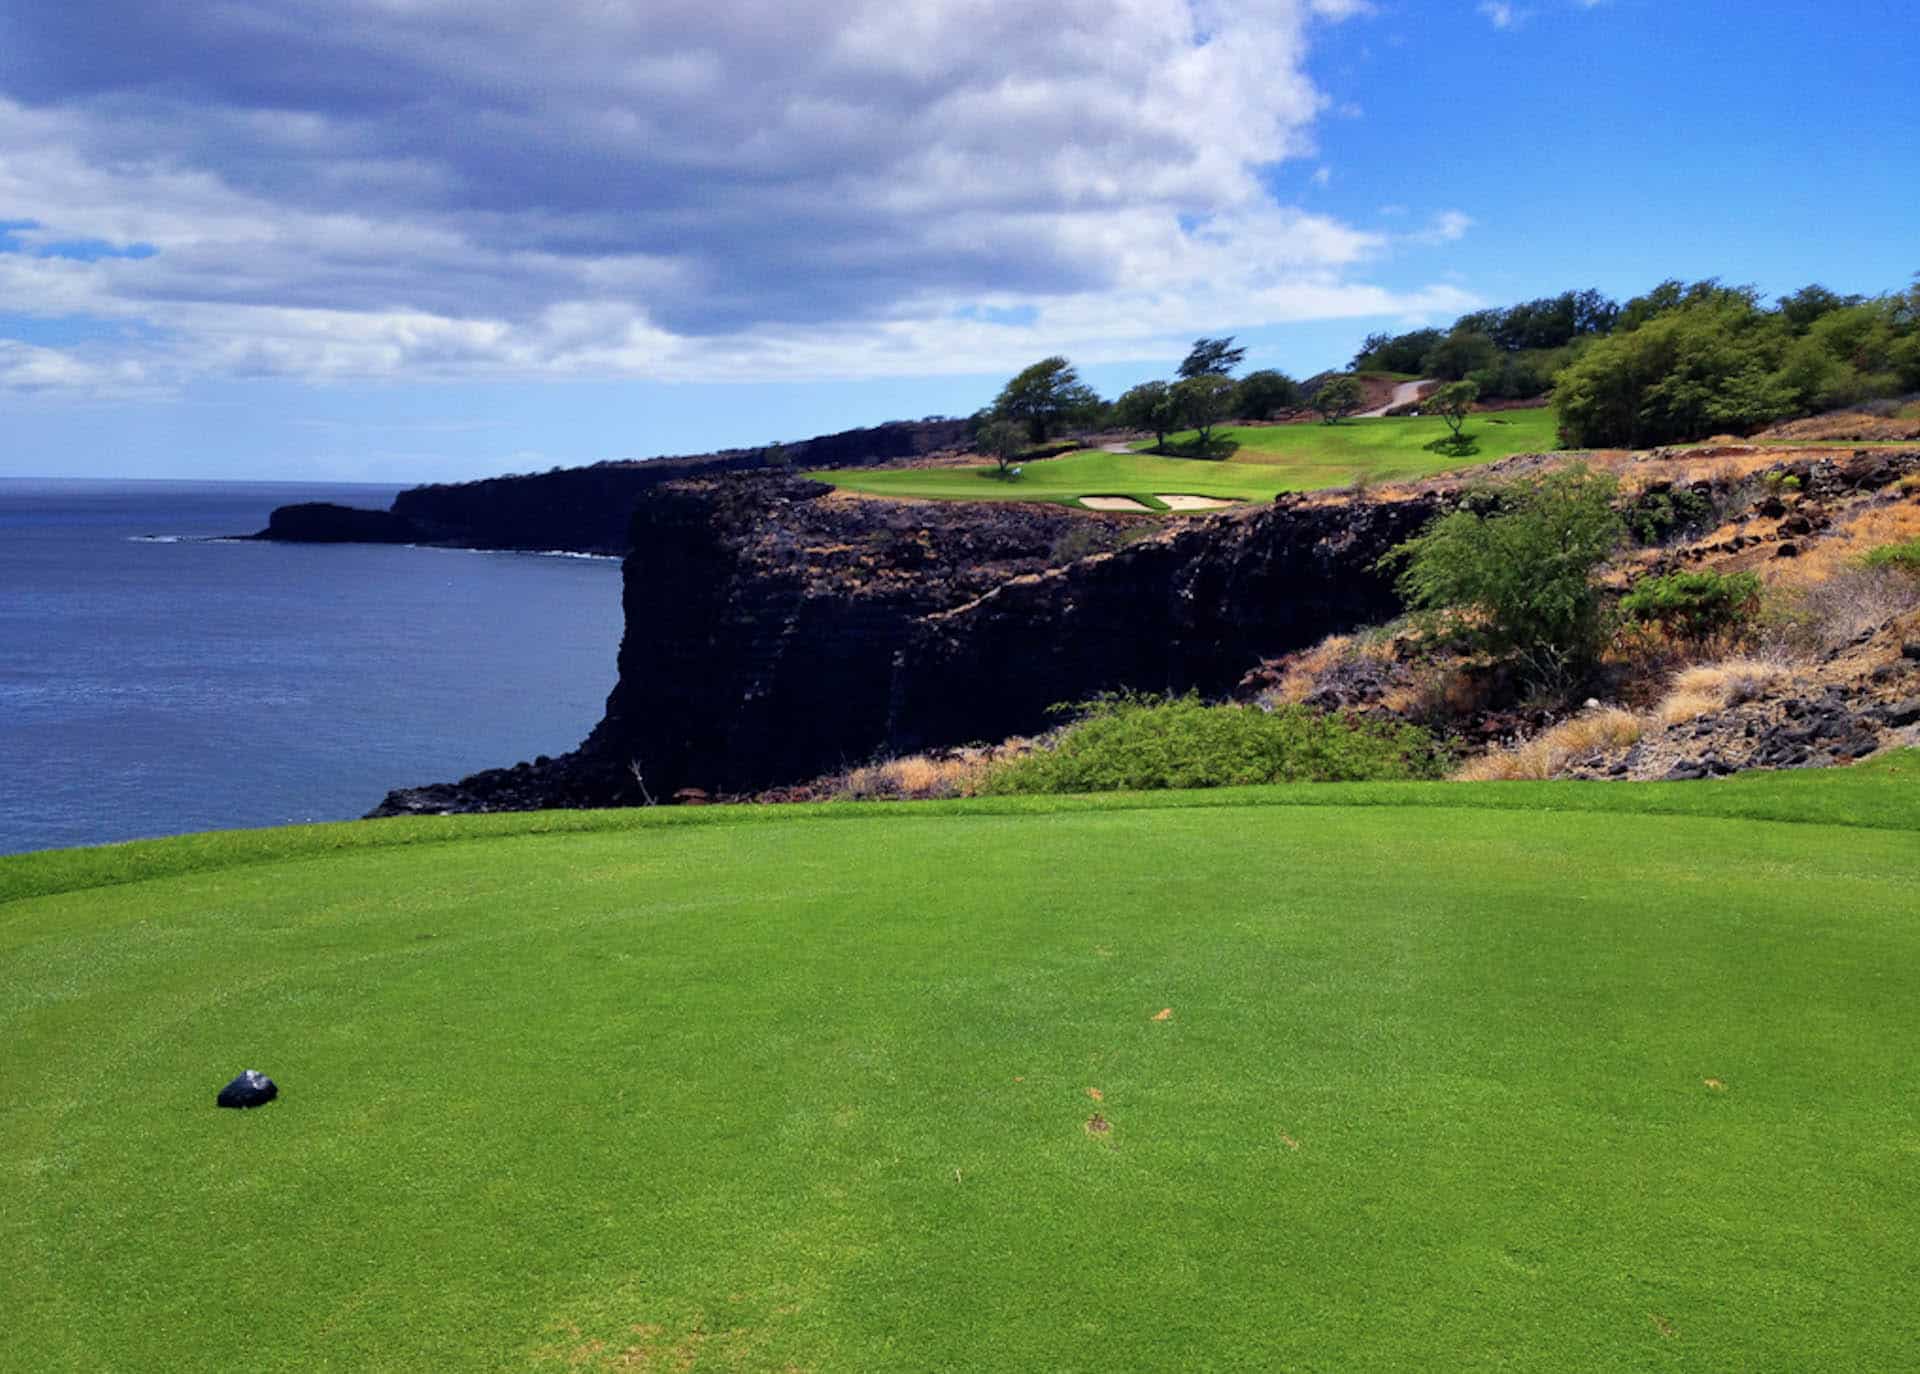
{"x": 406, "y": 240}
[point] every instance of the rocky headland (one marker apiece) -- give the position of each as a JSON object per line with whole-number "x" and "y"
{"x": 585, "y": 510}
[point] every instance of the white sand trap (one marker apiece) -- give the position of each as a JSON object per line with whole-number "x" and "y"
{"x": 1111, "y": 503}
{"x": 1192, "y": 502}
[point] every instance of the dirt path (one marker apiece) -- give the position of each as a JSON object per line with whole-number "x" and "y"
{"x": 1404, "y": 394}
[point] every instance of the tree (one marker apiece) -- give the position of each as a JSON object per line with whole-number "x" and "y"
{"x": 1003, "y": 441}
{"x": 1045, "y": 397}
{"x": 1203, "y": 401}
{"x": 1518, "y": 578}
{"x": 1337, "y": 397}
{"x": 1461, "y": 352}
{"x": 1395, "y": 352}
{"x": 1715, "y": 366}
{"x": 1149, "y": 406}
{"x": 1453, "y": 403}
{"x": 1212, "y": 357}
{"x": 1261, "y": 393}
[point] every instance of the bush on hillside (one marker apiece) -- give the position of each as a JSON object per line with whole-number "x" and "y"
{"x": 1662, "y": 513}
{"x": 1143, "y": 743}
{"x": 1694, "y": 605}
{"x": 1511, "y": 571}
{"x": 1900, "y": 557}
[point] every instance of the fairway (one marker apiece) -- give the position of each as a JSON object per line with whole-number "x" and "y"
{"x": 817, "y": 1088}
{"x": 1271, "y": 459}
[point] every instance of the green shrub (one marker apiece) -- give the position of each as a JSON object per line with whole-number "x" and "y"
{"x": 1694, "y": 605}
{"x": 1512, "y": 569}
{"x": 1140, "y": 743}
{"x": 1655, "y": 516}
{"x": 1900, "y": 557}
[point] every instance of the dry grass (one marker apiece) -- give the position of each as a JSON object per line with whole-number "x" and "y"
{"x": 1708, "y": 687}
{"x": 1307, "y": 670}
{"x": 1840, "y": 549}
{"x": 925, "y": 777}
{"x": 1547, "y": 755}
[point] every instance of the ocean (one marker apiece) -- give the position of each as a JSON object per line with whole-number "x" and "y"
{"x": 155, "y": 679}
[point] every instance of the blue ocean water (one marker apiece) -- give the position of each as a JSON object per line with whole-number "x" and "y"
{"x": 153, "y": 682}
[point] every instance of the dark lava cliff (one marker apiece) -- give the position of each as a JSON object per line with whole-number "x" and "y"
{"x": 584, "y": 510}
{"x": 775, "y": 631}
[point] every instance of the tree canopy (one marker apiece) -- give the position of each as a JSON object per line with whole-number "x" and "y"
{"x": 1045, "y": 398}
{"x": 1212, "y": 357}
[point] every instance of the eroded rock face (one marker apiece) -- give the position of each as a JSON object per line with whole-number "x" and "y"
{"x": 1194, "y": 609}
{"x": 775, "y": 632}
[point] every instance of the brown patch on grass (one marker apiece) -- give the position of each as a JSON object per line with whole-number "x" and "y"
{"x": 1662, "y": 1325}
{"x": 1096, "y": 1095}
{"x": 1098, "y": 1125}
{"x": 1289, "y": 1141}
{"x": 1715, "y": 1084}
{"x": 1164, "y": 1014}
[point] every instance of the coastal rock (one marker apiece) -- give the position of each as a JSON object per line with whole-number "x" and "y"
{"x": 323, "y": 522}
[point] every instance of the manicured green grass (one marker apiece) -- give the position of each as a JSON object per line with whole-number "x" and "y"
{"x": 1271, "y": 459}
{"x": 808, "y": 1087}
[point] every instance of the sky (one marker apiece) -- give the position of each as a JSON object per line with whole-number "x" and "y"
{"x": 414, "y": 240}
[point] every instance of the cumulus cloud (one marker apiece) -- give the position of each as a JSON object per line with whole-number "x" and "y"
{"x": 660, "y": 188}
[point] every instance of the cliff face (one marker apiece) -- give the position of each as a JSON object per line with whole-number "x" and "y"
{"x": 775, "y": 632}
{"x": 1191, "y": 610}
{"x": 584, "y": 510}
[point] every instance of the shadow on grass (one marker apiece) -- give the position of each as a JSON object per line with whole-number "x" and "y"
{"x": 1454, "y": 446}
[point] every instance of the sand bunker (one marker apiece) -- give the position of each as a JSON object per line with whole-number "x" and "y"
{"x": 1192, "y": 502}
{"x": 1111, "y": 503}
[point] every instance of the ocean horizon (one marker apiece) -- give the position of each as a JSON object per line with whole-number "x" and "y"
{"x": 159, "y": 677}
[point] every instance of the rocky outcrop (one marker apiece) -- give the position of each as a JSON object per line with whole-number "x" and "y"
{"x": 1193, "y": 609}
{"x": 775, "y": 631}
{"x": 587, "y": 509}
{"x": 323, "y": 522}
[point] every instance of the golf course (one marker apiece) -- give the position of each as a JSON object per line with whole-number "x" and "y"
{"x": 1265, "y": 460}
{"x": 1368, "y": 1076}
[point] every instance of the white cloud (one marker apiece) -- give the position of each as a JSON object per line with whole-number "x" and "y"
{"x": 1500, "y": 13}
{"x": 396, "y": 188}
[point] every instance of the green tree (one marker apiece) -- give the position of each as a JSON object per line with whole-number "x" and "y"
{"x": 1461, "y": 352}
{"x": 1259, "y": 394}
{"x": 1046, "y": 397}
{"x": 1516, "y": 576}
{"x": 1211, "y": 357}
{"x": 1715, "y": 366}
{"x": 1003, "y": 441}
{"x": 1453, "y": 402}
{"x": 1149, "y": 406}
{"x": 1338, "y": 396}
{"x": 1202, "y": 402}
{"x": 1395, "y": 352}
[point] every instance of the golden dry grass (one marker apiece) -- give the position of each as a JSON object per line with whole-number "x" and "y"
{"x": 921, "y": 777}
{"x": 1547, "y": 754}
{"x": 1305, "y": 669}
{"x": 1709, "y": 687}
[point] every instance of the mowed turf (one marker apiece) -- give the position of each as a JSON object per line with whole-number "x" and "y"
{"x": 1400, "y": 1080}
{"x": 1271, "y": 459}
